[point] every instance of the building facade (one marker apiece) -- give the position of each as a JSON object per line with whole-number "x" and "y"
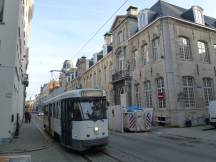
{"x": 15, "y": 26}
{"x": 163, "y": 57}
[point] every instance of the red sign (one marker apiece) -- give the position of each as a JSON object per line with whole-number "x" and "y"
{"x": 161, "y": 95}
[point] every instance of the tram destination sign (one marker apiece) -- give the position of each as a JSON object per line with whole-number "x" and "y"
{"x": 91, "y": 93}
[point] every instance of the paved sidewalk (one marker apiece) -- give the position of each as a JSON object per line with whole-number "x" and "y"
{"x": 30, "y": 139}
{"x": 206, "y": 132}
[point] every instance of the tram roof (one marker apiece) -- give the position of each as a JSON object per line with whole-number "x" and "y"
{"x": 75, "y": 93}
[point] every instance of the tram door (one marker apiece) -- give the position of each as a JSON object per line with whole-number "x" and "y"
{"x": 66, "y": 122}
{"x": 49, "y": 117}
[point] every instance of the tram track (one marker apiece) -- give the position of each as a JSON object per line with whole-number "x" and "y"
{"x": 91, "y": 157}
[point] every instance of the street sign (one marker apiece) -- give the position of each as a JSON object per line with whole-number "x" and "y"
{"x": 161, "y": 95}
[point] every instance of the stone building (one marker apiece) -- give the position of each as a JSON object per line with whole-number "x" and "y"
{"x": 15, "y": 27}
{"x": 98, "y": 75}
{"x": 173, "y": 63}
{"x": 162, "y": 57}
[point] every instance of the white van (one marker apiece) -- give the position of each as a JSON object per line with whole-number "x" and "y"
{"x": 212, "y": 113}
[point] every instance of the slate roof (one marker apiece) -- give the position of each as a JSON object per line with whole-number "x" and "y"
{"x": 162, "y": 8}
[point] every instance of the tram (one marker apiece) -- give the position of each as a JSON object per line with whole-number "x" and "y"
{"x": 78, "y": 118}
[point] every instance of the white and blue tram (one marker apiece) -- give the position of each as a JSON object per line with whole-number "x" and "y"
{"x": 78, "y": 118}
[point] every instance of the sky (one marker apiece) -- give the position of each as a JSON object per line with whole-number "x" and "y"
{"x": 61, "y": 28}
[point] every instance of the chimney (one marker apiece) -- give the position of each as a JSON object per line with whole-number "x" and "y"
{"x": 132, "y": 10}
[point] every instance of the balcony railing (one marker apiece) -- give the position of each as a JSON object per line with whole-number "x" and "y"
{"x": 120, "y": 75}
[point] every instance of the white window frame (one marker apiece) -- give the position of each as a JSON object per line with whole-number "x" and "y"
{"x": 184, "y": 48}
{"x": 135, "y": 59}
{"x": 161, "y": 88}
{"x": 147, "y": 94}
{"x": 156, "y": 49}
{"x": 145, "y": 54}
{"x": 94, "y": 80}
{"x": 120, "y": 61}
{"x": 188, "y": 90}
{"x": 120, "y": 37}
{"x": 208, "y": 90}
{"x": 198, "y": 15}
{"x": 137, "y": 94}
{"x": 203, "y": 51}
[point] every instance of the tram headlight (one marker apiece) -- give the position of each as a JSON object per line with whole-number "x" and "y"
{"x": 96, "y": 129}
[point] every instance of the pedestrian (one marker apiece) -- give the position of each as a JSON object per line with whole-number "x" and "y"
{"x": 29, "y": 117}
{"x": 26, "y": 116}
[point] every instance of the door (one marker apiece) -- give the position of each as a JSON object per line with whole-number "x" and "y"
{"x": 66, "y": 122}
{"x": 49, "y": 117}
{"x": 123, "y": 96}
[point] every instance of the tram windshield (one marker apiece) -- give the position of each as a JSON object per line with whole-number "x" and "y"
{"x": 93, "y": 109}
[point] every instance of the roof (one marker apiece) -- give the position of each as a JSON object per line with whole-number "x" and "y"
{"x": 162, "y": 8}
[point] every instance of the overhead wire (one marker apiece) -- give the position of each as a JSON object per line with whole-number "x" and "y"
{"x": 99, "y": 29}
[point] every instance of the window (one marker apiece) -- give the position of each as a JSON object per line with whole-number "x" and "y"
{"x": 156, "y": 49}
{"x": 147, "y": 94}
{"x": 214, "y": 46}
{"x": 203, "y": 52}
{"x": 161, "y": 91}
{"x": 188, "y": 90}
{"x": 121, "y": 61}
{"x": 137, "y": 95}
{"x": 184, "y": 48}
{"x": 77, "y": 112}
{"x": 94, "y": 80}
{"x": 119, "y": 37}
{"x": 135, "y": 59}
{"x": 198, "y": 16}
{"x": 1, "y": 10}
{"x": 145, "y": 54}
{"x": 99, "y": 79}
{"x": 208, "y": 90}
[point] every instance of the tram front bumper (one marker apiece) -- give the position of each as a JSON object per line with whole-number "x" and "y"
{"x": 95, "y": 142}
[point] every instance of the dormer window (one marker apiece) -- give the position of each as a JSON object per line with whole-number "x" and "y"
{"x": 142, "y": 18}
{"x": 198, "y": 15}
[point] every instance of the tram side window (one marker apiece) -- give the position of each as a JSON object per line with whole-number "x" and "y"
{"x": 46, "y": 110}
{"x": 53, "y": 112}
{"x": 76, "y": 112}
{"x": 59, "y": 110}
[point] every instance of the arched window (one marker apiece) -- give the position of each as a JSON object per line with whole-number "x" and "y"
{"x": 120, "y": 37}
{"x": 145, "y": 54}
{"x": 156, "y": 49}
{"x": 184, "y": 48}
{"x": 203, "y": 52}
